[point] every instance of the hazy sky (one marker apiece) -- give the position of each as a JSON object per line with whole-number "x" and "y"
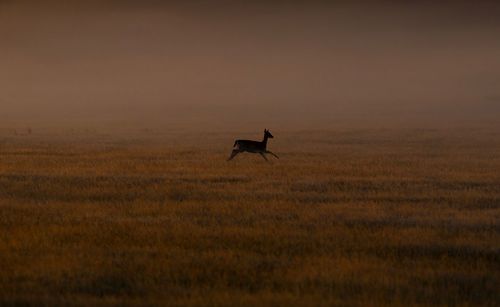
{"x": 249, "y": 62}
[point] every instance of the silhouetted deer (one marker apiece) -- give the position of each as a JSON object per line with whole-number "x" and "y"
{"x": 252, "y": 146}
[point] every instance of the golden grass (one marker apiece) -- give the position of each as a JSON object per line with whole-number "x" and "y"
{"x": 343, "y": 218}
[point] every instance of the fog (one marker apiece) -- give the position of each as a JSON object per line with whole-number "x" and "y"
{"x": 226, "y": 65}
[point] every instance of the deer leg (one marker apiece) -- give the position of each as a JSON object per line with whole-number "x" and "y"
{"x": 233, "y": 154}
{"x": 272, "y": 154}
{"x": 263, "y": 156}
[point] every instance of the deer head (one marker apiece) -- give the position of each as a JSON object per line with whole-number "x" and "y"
{"x": 268, "y": 134}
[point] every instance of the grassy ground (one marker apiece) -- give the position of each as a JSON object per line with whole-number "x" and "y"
{"x": 346, "y": 218}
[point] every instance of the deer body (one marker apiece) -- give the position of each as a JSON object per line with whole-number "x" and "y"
{"x": 252, "y": 146}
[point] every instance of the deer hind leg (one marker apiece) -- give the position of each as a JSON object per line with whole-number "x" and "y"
{"x": 233, "y": 154}
{"x": 272, "y": 154}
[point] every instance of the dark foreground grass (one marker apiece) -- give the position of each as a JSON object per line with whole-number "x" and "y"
{"x": 358, "y": 218}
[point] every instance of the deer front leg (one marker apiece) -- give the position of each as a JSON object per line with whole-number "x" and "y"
{"x": 233, "y": 154}
{"x": 272, "y": 154}
{"x": 263, "y": 156}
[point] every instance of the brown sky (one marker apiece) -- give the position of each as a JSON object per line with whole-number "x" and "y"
{"x": 250, "y": 63}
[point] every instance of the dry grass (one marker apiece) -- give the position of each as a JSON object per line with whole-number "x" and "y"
{"x": 346, "y": 218}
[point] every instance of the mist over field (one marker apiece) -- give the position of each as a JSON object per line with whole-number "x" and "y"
{"x": 237, "y": 65}
{"x": 121, "y": 182}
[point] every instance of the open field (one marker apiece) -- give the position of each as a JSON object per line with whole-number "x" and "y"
{"x": 345, "y": 218}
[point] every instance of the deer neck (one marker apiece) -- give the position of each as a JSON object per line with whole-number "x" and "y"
{"x": 264, "y": 142}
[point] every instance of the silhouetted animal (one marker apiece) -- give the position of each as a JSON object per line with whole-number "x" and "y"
{"x": 252, "y": 146}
